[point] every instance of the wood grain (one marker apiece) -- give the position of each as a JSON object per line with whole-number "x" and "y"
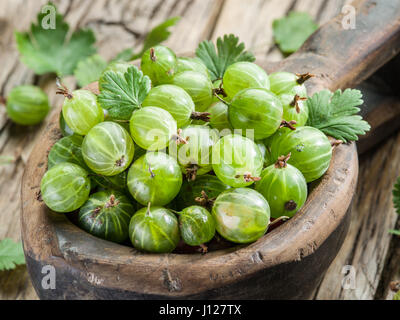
{"x": 368, "y": 241}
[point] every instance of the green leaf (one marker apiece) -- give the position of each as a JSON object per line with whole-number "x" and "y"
{"x": 335, "y": 114}
{"x": 396, "y": 195}
{"x": 11, "y": 254}
{"x": 292, "y": 31}
{"x": 157, "y": 35}
{"x": 124, "y": 55}
{"x": 123, "y": 93}
{"x": 53, "y": 50}
{"x": 89, "y": 69}
{"x": 229, "y": 51}
{"x": 397, "y": 296}
{"x": 395, "y": 232}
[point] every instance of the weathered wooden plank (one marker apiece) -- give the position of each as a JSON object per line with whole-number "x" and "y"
{"x": 391, "y": 272}
{"x": 368, "y": 240}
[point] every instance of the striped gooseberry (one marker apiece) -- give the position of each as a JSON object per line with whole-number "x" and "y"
{"x": 176, "y": 101}
{"x": 284, "y": 187}
{"x": 27, "y": 105}
{"x": 80, "y": 110}
{"x": 243, "y": 75}
{"x": 67, "y": 149}
{"x": 154, "y": 229}
{"x": 294, "y": 109}
{"x": 194, "y": 156}
{"x": 242, "y": 215}
{"x": 159, "y": 64}
{"x": 192, "y": 64}
{"x": 152, "y": 128}
{"x": 256, "y": 109}
{"x": 65, "y": 187}
{"x": 155, "y": 177}
{"x": 290, "y": 83}
{"x": 107, "y": 214}
{"x": 310, "y": 150}
{"x": 237, "y": 161}
{"x": 198, "y": 86}
{"x": 197, "y": 226}
{"x": 108, "y": 149}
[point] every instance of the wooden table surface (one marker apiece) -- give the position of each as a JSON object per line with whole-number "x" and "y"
{"x": 373, "y": 254}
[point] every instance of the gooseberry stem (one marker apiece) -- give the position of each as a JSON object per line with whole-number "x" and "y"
{"x": 204, "y": 248}
{"x": 179, "y": 139}
{"x": 204, "y": 116}
{"x": 62, "y": 89}
{"x": 111, "y": 203}
{"x": 282, "y": 218}
{"x": 191, "y": 172}
{"x": 205, "y": 201}
{"x": 304, "y": 77}
{"x": 148, "y": 212}
{"x": 295, "y": 102}
{"x": 248, "y": 177}
{"x": 335, "y": 143}
{"x": 153, "y": 55}
{"x": 287, "y": 124}
{"x": 282, "y": 161}
{"x": 120, "y": 162}
{"x": 151, "y": 172}
{"x": 219, "y": 98}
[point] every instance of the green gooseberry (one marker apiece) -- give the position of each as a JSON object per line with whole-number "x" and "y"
{"x": 243, "y": 75}
{"x": 294, "y": 109}
{"x": 154, "y": 229}
{"x": 65, "y": 187}
{"x": 197, "y": 226}
{"x": 198, "y": 86}
{"x": 155, "y": 177}
{"x": 242, "y": 215}
{"x": 310, "y": 150}
{"x": 107, "y": 214}
{"x": 237, "y": 161}
{"x": 284, "y": 187}
{"x": 159, "y": 64}
{"x": 81, "y": 111}
{"x": 27, "y": 105}
{"x": 108, "y": 149}
{"x": 256, "y": 109}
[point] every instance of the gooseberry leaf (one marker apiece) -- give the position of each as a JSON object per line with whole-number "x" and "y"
{"x": 395, "y": 232}
{"x": 335, "y": 114}
{"x": 292, "y": 31}
{"x": 89, "y": 69}
{"x": 11, "y": 254}
{"x": 157, "y": 35}
{"x": 229, "y": 51}
{"x": 54, "y": 50}
{"x": 122, "y": 94}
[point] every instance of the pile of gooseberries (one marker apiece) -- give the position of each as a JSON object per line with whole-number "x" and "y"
{"x": 199, "y": 159}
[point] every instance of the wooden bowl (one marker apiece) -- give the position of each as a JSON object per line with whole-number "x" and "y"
{"x": 287, "y": 263}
